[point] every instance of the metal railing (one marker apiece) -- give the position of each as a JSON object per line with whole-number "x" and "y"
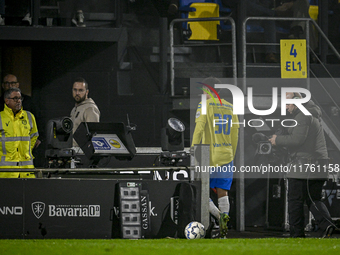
{"x": 307, "y": 20}
{"x": 172, "y": 45}
{"x": 309, "y": 71}
{"x": 244, "y": 85}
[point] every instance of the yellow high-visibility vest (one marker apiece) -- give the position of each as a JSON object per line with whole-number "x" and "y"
{"x": 18, "y": 135}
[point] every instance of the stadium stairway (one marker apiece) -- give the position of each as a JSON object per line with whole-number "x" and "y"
{"x": 142, "y": 61}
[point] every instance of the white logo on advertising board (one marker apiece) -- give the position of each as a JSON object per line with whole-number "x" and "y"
{"x": 74, "y": 210}
{"x": 38, "y": 209}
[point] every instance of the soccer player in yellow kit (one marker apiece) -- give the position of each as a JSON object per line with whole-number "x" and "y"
{"x": 219, "y": 129}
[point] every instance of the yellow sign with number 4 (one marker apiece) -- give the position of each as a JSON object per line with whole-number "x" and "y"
{"x": 293, "y": 59}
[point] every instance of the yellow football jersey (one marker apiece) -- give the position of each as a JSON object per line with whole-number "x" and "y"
{"x": 219, "y": 129}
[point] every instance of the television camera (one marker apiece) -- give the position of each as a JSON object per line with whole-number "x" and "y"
{"x": 268, "y": 153}
{"x": 59, "y": 139}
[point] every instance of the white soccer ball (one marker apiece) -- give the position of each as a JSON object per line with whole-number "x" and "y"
{"x": 194, "y": 230}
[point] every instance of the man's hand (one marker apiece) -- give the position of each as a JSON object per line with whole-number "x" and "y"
{"x": 272, "y": 140}
{"x": 37, "y": 143}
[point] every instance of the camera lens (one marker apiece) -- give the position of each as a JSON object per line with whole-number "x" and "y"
{"x": 67, "y": 125}
{"x": 265, "y": 148}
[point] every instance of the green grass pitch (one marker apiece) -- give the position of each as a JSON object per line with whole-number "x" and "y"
{"x": 172, "y": 246}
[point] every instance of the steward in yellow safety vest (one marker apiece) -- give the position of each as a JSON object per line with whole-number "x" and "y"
{"x": 18, "y": 135}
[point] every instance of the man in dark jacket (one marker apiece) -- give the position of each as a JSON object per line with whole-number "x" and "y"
{"x": 308, "y": 172}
